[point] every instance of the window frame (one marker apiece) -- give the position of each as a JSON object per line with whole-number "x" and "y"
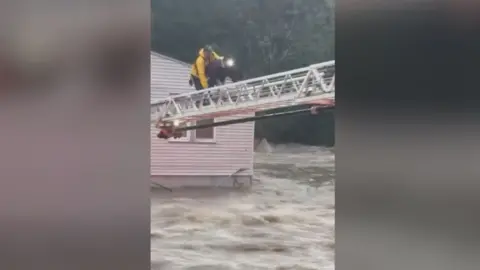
{"x": 191, "y": 135}
{"x": 205, "y": 140}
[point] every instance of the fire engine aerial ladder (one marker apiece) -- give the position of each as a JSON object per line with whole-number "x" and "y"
{"x": 314, "y": 85}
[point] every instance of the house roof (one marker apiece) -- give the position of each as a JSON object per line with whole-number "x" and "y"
{"x": 169, "y": 58}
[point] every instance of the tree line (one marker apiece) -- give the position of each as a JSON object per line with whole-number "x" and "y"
{"x": 264, "y": 36}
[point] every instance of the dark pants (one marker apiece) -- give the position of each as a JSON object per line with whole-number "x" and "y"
{"x": 197, "y": 83}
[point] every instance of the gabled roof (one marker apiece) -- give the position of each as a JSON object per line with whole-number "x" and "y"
{"x": 169, "y": 58}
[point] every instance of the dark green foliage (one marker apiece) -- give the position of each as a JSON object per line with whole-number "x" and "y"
{"x": 264, "y": 36}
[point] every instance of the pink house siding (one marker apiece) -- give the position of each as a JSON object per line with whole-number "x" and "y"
{"x": 230, "y": 150}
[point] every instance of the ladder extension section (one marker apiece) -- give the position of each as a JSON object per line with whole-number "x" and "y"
{"x": 312, "y": 84}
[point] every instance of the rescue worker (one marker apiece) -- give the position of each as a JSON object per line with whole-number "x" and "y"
{"x": 198, "y": 74}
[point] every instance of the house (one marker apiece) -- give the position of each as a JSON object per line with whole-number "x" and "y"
{"x": 219, "y": 156}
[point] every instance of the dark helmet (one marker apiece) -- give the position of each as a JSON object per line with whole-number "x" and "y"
{"x": 208, "y": 48}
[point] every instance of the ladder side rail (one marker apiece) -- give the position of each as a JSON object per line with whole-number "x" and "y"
{"x": 249, "y": 90}
{"x": 319, "y": 65}
{"x": 243, "y": 108}
{"x": 245, "y": 89}
{"x": 304, "y": 84}
{"x": 268, "y": 102}
{"x": 308, "y": 82}
{"x": 236, "y": 84}
{"x": 325, "y": 82}
{"x": 249, "y": 107}
{"x": 322, "y": 80}
{"x": 175, "y": 100}
{"x": 199, "y": 95}
{"x": 332, "y": 84}
{"x": 252, "y": 90}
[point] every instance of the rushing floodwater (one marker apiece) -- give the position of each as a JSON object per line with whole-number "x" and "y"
{"x": 285, "y": 221}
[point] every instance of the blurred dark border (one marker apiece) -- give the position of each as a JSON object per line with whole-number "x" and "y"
{"x": 75, "y": 164}
{"x": 406, "y": 135}
{"x": 75, "y": 137}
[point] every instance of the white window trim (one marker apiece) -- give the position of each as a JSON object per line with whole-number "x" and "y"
{"x": 205, "y": 140}
{"x": 191, "y": 135}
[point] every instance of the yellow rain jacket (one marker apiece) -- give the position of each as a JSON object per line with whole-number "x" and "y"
{"x": 198, "y": 68}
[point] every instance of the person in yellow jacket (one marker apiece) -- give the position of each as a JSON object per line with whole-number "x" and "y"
{"x": 198, "y": 74}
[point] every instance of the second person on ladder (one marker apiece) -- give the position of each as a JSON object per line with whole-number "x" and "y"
{"x": 198, "y": 75}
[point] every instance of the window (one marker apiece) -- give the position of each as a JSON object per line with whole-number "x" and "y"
{"x": 205, "y": 134}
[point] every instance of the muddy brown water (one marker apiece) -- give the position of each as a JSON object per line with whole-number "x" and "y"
{"x": 285, "y": 221}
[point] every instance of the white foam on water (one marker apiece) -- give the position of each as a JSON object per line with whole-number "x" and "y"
{"x": 283, "y": 222}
